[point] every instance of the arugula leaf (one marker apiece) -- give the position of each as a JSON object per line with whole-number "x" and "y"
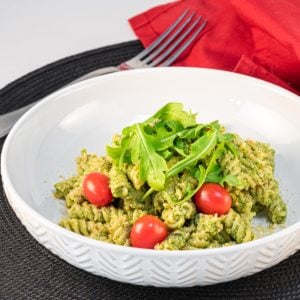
{"x": 231, "y": 180}
{"x": 216, "y": 125}
{"x": 191, "y": 133}
{"x": 173, "y": 125}
{"x": 135, "y": 150}
{"x": 152, "y": 165}
{"x": 212, "y": 165}
{"x": 124, "y": 147}
{"x": 174, "y": 111}
{"x": 166, "y": 154}
{"x": 214, "y": 170}
{"x": 214, "y": 175}
{"x": 232, "y": 148}
{"x": 114, "y": 153}
{"x": 200, "y": 176}
{"x": 180, "y": 151}
{"x": 164, "y": 134}
{"x": 119, "y": 153}
{"x": 199, "y": 149}
{"x": 211, "y": 174}
{"x": 226, "y": 137}
{"x": 181, "y": 147}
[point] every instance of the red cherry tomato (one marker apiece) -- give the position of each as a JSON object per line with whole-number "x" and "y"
{"x": 147, "y": 231}
{"x": 96, "y": 189}
{"x": 212, "y": 198}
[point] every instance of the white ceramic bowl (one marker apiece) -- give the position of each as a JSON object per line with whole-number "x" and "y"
{"x": 43, "y": 144}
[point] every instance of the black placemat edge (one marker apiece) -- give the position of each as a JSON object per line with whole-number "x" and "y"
{"x": 47, "y": 76}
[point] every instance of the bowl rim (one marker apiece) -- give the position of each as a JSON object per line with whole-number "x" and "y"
{"x": 15, "y": 197}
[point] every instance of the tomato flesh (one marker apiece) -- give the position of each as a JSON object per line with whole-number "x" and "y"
{"x": 212, "y": 198}
{"x": 96, "y": 189}
{"x": 147, "y": 231}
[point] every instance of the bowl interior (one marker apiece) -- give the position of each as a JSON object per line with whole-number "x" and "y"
{"x": 43, "y": 145}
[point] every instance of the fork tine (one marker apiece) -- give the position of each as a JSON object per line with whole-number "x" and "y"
{"x": 171, "y": 59}
{"x": 156, "y": 42}
{"x": 175, "y": 44}
{"x": 169, "y": 39}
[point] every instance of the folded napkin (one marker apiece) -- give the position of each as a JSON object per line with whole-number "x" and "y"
{"x": 252, "y": 37}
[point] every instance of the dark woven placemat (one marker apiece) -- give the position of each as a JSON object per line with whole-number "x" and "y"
{"x": 29, "y": 271}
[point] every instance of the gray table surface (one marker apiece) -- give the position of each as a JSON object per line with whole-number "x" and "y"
{"x": 34, "y": 33}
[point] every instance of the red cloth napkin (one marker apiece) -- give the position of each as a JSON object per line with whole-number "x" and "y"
{"x": 252, "y": 37}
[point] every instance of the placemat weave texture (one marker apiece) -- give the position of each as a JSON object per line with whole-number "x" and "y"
{"x": 29, "y": 271}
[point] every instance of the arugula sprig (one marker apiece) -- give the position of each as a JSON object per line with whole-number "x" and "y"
{"x": 173, "y": 111}
{"x": 170, "y": 132}
{"x": 152, "y": 165}
{"x": 201, "y": 147}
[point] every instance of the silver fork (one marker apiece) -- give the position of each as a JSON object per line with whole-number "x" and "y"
{"x": 162, "y": 52}
{"x": 166, "y": 48}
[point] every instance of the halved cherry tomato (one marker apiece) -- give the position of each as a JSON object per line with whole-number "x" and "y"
{"x": 212, "y": 198}
{"x": 96, "y": 189}
{"x": 147, "y": 231}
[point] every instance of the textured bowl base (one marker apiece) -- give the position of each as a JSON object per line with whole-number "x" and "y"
{"x": 161, "y": 272}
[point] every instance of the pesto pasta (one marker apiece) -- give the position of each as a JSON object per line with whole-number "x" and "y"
{"x": 157, "y": 167}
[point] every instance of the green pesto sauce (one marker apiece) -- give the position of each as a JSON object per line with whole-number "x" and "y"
{"x": 258, "y": 191}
